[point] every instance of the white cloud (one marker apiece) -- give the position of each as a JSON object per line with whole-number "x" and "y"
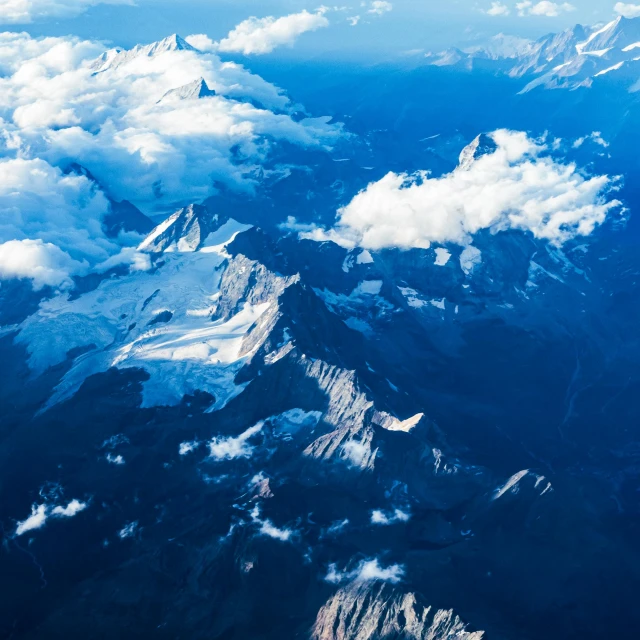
{"x": 268, "y": 529}
{"x": 544, "y": 8}
{"x": 594, "y": 136}
{"x": 115, "y": 459}
{"x": 63, "y": 100}
{"x": 109, "y": 117}
{"x": 627, "y": 10}
{"x": 73, "y": 508}
{"x": 498, "y": 9}
{"x": 356, "y": 453}
{"x": 41, "y": 512}
{"x": 257, "y": 36}
{"x": 380, "y": 7}
{"x": 43, "y": 263}
{"x": 385, "y": 518}
{"x": 27, "y": 11}
{"x": 188, "y": 447}
{"x": 238, "y": 447}
{"x": 36, "y": 520}
{"x": 353, "y": 20}
{"x": 518, "y": 186}
{"x": 202, "y": 42}
{"x": 50, "y": 223}
{"x": 365, "y": 571}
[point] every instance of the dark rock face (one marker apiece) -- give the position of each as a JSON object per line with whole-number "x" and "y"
{"x": 125, "y": 216}
{"x": 365, "y": 611}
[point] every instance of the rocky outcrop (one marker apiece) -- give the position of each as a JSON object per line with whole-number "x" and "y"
{"x": 481, "y": 146}
{"x": 185, "y": 230}
{"x": 378, "y": 611}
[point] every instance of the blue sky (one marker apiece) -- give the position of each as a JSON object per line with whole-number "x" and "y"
{"x": 424, "y": 24}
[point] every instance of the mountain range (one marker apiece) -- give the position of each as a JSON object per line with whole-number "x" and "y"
{"x": 251, "y": 434}
{"x": 580, "y": 57}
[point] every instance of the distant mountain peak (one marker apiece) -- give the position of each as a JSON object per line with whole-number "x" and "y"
{"x": 175, "y": 42}
{"x": 185, "y": 230}
{"x": 116, "y": 57}
{"x": 192, "y": 228}
{"x": 571, "y": 59}
{"x": 190, "y": 91}
{"x": 482, "y": 145}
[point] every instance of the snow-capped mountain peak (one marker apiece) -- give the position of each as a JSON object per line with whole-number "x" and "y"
{"x": 114, "y": 58}
{"x": 570, "y": 59}
{"x": 482, "y": 145}
{"x": 190, "y": 229}
{"x": 191, "y": 91}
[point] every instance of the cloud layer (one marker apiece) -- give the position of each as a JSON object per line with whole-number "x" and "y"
{"x": 27, "y": 11}
{"x": 50, "y": 223}
{"x": 41, "y": 512}
{"x": 526, "y": 8}
{"x": 545, "y": 8}
{"x": 517, "y": 186}
{"x": 65, "y": 101}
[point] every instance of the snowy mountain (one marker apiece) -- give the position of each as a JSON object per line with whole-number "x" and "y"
{"x": 114, "y": 58}
{"x": 191, "y": 91}
{"x": 578, "y": 57}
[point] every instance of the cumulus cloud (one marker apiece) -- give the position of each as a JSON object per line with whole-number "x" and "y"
{"x": 43, "y": 263}
{"x": 229, "y": 448}
{"x": 27, "y": 11}
{"x": 545, "y": 8}
{"x": 257, "y": 36}
{"x": 50, "y": 223}
{"x": 380, "y": 7}
{"x": 41, "y": 512}
{"x": 267, "y": 528}
{"x": 517, "y": 186}
{"x": 384, "y": 518}
{"x": 366, "y": 571}
{"x": 73, "y": 508}
{"x": 358, "y": 454}
{"x": 627, "y": 10}
{"x": 60, "y": 100}
{"x": 36, "y": 520}
{"x": 498, "y": 9}
{"x": 188, "y": 447}
{"x": 115, "y": 459}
